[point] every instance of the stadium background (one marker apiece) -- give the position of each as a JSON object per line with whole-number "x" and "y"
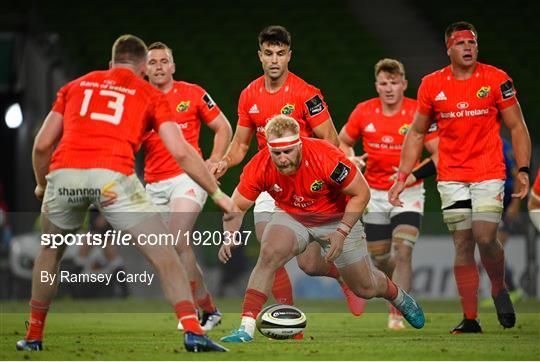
{"x": 335, "y": 45}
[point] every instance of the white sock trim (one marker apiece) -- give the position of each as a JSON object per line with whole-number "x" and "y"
{"x": 249, "y": 325}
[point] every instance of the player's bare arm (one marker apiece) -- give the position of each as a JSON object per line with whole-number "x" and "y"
{"x": 411, "y": 151}
{"x": 327, "y": 131}
{"x": 222, "y": 137}
{"x": 359, "y": 191}
{"x": 521, "y": 144}
{"x": 47, "y": 137}
{"x": 432, "y": 146}
{"x": 236, "y": 152}
{"x": 346, "y": 144}
{"x": 232, "y": 224}
{"x": 192, "y": 163}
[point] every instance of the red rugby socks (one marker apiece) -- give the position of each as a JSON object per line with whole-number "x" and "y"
{"x": 282, "y": 289}
{"x": 38, "y": 314}
{"x": 467, "y": 280}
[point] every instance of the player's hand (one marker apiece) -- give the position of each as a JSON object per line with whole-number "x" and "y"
{"x": 211, "y": 165}
{"x": 393, "y": 194}
{"x": 336, "y": 241}
{"x": 220, "y": 168}
{"x": 39, "y": 192}
{"x": 225, "y": 251}
{"x": 359, "y": 161}
{"x": 522, "y": 179}
{"x": 410, "y": 179}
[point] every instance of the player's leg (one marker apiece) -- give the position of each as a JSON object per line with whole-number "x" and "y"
{"x": 405, "y": 225}
{"x": 405, "y": 233}
{"x": 313, "y": 263}
{"x": 283, "y": 238}
{"x": 59, "y": 216}
{"x": 368, "y": 282}
{"x": 457, "y": 214}
{"x": 187, "y": 201}
{"x": 139, "y": 217}
{"x": 45, "y": 279}
{"x": 262, "y": 213}
{"x": 487, "y": 202}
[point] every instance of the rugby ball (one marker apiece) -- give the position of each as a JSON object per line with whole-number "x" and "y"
{"x": 281, "y": 321}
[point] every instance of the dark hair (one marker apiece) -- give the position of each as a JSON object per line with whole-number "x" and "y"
{"x": 129, "y": 49}
{"x": 457, "y": 26}
{"x": 275, "y": 35}
{"x": 390, "y": 66}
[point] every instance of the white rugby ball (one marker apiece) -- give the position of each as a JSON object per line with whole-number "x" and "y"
{"x": 281, "y": 321}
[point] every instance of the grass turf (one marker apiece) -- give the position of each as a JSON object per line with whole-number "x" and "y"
{"x": 137, "y": 330}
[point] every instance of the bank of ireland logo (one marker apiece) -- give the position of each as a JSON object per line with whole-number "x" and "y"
{"x": 404, "y": 129}
{"x": 316, "y": 185}
{"x": 287, "y": 109}
{"x": 182, "y": 106}
{"x": 483, "y": 92}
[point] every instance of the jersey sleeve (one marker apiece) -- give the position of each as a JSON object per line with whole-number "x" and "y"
{"x": 243, "y": 111}
{"x": 251, "y": 184}
{"x": 160, "y": 110}
{"x": 314, "y": 107}
{"x": 59, "y": 105}
{"x": 339, "y": 170}
{"x": 354, "y": 124}
{"x": 425, "y": 103}
{"x": 208, "y": 109}
{"x": 505, "y": 93}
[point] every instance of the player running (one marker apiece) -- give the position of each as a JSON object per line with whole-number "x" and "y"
{"x": 468, "y": 99}
{"x": 98, "y": 121}
{"x": 169, "y": 187}
{"x": 320, "y": 196}
{"x": 382, "y": 123}
{"x": 279, "y": 91}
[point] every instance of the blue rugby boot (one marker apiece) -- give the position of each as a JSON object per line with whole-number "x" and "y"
{"x": 410, "y": 309}
{"x": 237, "y": 336}
{"x": 201, "y": 343}
{"x": 24, "y": 345}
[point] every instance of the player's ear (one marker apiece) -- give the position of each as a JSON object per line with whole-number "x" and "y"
{"x": 173, "y": 68}
{"x": 405, "y": 84}
{"x": 260, "y": 55}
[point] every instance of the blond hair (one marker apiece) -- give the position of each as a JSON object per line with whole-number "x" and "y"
{"x": 280, "y": 124}
{"x": 391, "y": 66}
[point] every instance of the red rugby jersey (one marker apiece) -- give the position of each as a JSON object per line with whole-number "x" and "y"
{"x": 468, "y": 118}
{"x": 382, "y": 138}
{"x": 295, "y": 98}
{"x": 313, "y": 194}
{"x": 106, "y": 114}
{"x": 189, "y": 104}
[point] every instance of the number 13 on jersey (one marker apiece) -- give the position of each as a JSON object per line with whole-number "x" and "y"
{"x": 117, "y": 105}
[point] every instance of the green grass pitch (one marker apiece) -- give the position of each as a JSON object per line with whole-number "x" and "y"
{"x": 145, "y": 330}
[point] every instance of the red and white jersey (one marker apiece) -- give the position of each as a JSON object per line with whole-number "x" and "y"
{"x": 106, "y": 114}
{"x": 382, "y": 138}
{"x": 313, "y": 194}
{"x": 468, "y": 118}
{"x": 189, "y": 104}
{"x": 295, "y": 98}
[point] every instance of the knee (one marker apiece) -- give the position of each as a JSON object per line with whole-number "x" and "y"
{"x": 485, "y": 240}
{"x": 367, "y": 291}
{"x": 380, "y": 255}
{"x": 308, "y": 266}
{"x": 270, "y": 257}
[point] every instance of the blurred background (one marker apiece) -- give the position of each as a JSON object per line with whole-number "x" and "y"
{"x": 335, "y": 45}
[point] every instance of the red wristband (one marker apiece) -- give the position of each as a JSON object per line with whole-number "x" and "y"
{"x": 342, "y": 232}
{"x": 402, "y": 176}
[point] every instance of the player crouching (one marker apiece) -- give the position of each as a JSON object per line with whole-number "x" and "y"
{"x": 320, "y": 197}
